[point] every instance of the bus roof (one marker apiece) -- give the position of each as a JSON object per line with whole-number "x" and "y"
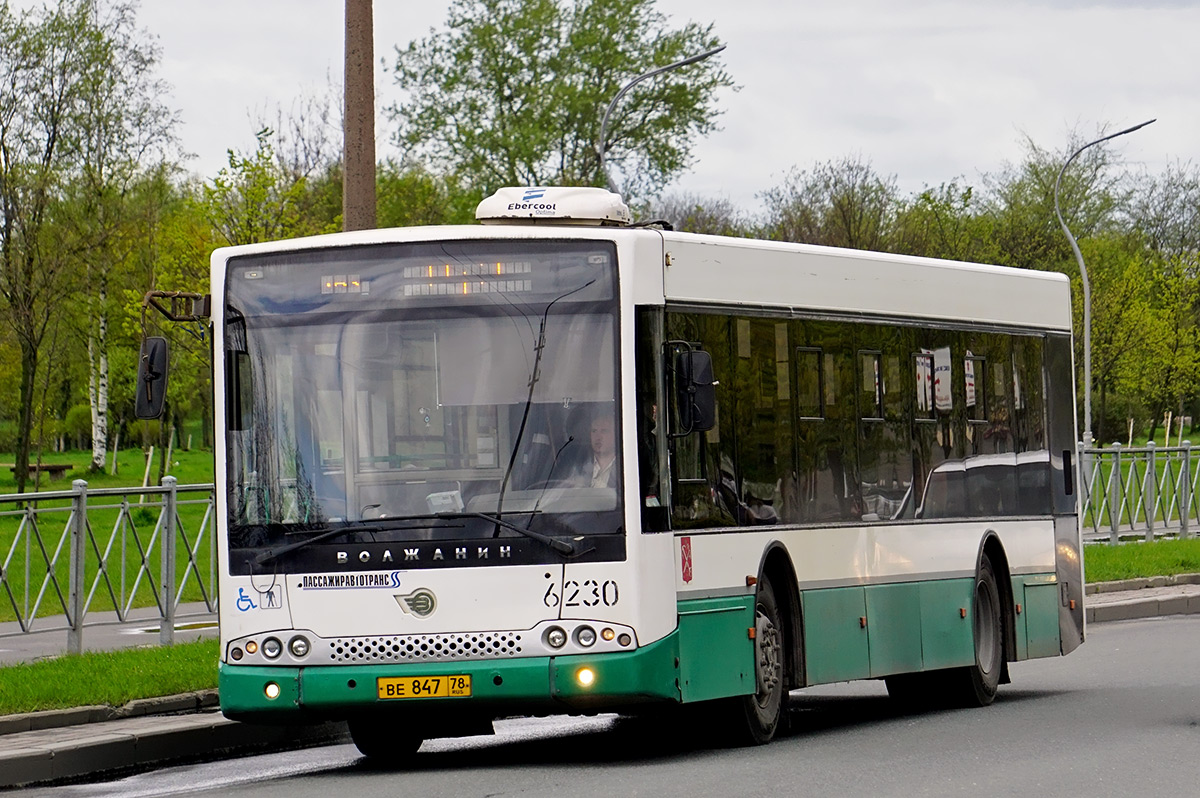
{"x": 856, "y": 282}
{"x": 693, "y": 269}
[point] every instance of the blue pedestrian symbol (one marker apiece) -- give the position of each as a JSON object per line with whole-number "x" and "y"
{"x": 244, "y": 602}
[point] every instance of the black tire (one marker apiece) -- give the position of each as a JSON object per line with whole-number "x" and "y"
{"x": 757, "y": 716}
{"x": 976, "y": 684}
{"x": 382, "y": 741}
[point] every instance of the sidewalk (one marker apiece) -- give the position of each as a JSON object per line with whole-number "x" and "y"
{"x": 1142, "y": 598}
{"x": 64, "y": 744}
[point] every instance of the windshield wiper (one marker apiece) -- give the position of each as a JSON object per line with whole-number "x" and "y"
{"x": 563, "y": 546}
{"x": 538, "y": 348}
{"x": 375, "y": 525}
{"x": 272, "y": 554}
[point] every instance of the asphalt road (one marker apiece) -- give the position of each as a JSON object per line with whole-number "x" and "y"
{"x": 1119, "y": 717}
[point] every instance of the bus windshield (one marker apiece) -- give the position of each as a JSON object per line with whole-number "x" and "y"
{"x": 422, "y": 392}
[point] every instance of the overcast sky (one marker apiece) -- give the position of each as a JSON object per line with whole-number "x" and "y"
{"x": 926, "y": 91}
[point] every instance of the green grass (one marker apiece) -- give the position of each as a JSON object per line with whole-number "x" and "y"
{"x": 190, "y": 468}
{"x": 119, "y": 541}
{"x": 1106, "y": 563}
{"x": 109, "y": 677}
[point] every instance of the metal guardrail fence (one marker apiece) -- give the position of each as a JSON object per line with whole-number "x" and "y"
{"x": 104, "y": 552}
{"x": 1143, "y": 492}
{"x": 109, "y": 551}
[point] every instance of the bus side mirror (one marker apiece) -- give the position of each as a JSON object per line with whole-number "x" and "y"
{"x": 697, "y": 391}
{"x": 151, "y": 379}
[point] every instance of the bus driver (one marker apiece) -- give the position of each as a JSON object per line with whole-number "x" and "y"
{"x": 599, "y": 470}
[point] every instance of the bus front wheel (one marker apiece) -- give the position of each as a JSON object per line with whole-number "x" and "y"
{"x": 758, "y": 715}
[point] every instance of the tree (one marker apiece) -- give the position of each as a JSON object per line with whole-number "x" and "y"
{"x": 838, "y": 203}
{"x": 122, "y": 125}
{"x": 68, "y": 77}
{"x": 694, "y": 214}
{"x": 945, "y": 222}
{"x": 413, "y": 196}
{"x": 1166, "y": 209}
{"x": 512, "y": 92}
{"x": 1020, "y": 200}
{"x": 255, "y": 198}
{"x": 1167, "y": 374}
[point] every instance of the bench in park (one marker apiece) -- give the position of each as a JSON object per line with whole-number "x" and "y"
{"x": 55, "y": 471}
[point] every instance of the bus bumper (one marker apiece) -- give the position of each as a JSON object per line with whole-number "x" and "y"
{"x": 534, "y": 685}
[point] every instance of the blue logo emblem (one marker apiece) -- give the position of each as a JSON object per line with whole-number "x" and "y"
{"x": 533, "y": 194}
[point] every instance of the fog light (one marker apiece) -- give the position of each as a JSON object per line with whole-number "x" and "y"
{"x": 235, "y": 654}
{"x": 298, "y": 646}
{"x": 272, "y": 648}
{"x": 585, "y": 676}
{"x": 251, "y": 647}
{"x": 271, "y": 691}
{"x": 556, "y": 637}
{"x": 585, "y": 636}
{"x": 608, "y": 635}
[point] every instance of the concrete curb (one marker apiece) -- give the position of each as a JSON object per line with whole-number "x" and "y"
{"x": 1124, "y": 585}
{"x": 184, "y": 703}
{"x": 60, "y": 754}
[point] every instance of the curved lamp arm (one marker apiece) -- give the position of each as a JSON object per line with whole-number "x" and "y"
{"x": 608, "y": 112}
{"x": 1087, "y": 289}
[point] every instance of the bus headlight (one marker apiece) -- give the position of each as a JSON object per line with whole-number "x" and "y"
{"x": 586, "y": 677}
{"x": 272, "y": 648}
{"x": 271, "y": 690}
{"x": 556, "y": 637}
{"x": 585, "y": 636}
{"x": 299, "y": 647}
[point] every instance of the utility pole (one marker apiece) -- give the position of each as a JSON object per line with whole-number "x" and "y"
{"x": 358, "y": 142}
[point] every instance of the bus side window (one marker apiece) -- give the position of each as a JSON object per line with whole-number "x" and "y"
{"x": 696, "y": 460}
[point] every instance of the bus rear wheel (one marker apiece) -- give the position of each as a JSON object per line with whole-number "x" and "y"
{"x": 383, "y": 741}
{"x": 757, "y": 716}
{"x": 976, "y": 684}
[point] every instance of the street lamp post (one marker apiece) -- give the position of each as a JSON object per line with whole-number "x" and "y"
{"x": 608, "y": 112}
{"x": 1087, "y": 289}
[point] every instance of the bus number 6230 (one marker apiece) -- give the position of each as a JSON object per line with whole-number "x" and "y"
{"x": 588, "y": 593}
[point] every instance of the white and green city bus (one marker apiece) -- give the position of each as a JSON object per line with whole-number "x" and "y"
{"x": 562, "y": 463}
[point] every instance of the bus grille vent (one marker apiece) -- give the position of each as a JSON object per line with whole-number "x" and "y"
{"x": 425, "y": 648}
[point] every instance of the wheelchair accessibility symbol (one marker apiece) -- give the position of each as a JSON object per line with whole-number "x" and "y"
{"x": 244, "y": 602}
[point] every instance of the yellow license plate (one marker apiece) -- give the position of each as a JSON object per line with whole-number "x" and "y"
{"x": 424, "y": 686}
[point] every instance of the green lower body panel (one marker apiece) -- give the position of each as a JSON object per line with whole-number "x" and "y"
{"x": 498, "y": 687}
{"x": 880, "y": 630}
{"x": 947, "y": 634}
{"x": 894, "y": 628}
{"x": 716, "y": 653}
{"x": 835, "y": 635}
{"x": 1038, "y": 620}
